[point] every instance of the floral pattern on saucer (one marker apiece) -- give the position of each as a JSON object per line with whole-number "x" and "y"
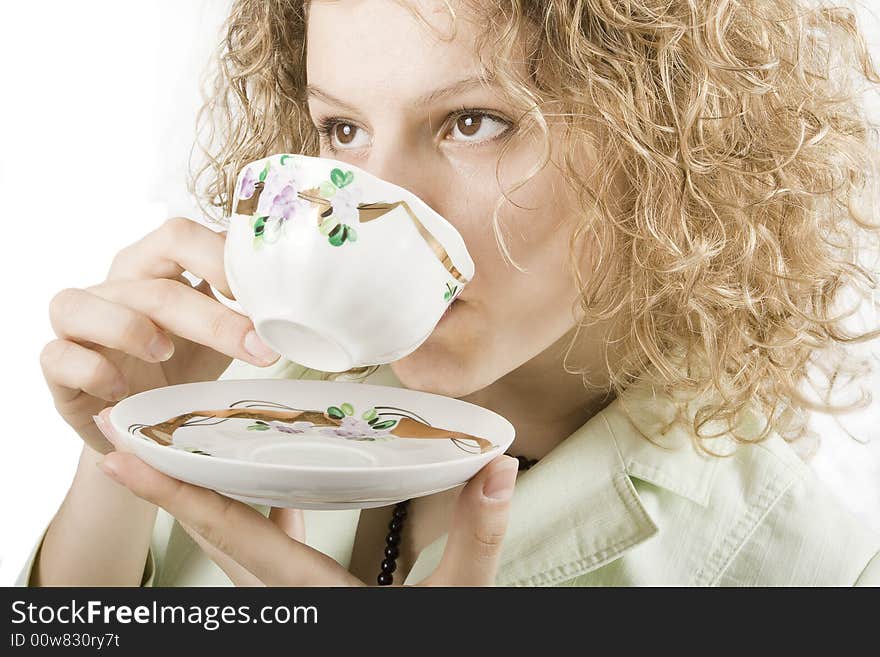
{"x": 368, "y": 427}
{"x": 334, "y": 422}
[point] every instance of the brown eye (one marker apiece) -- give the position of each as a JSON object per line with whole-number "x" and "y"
{"x": 477, "y": 127}
{"x": 469, "y": 124}
{"x": 345, "y": 133}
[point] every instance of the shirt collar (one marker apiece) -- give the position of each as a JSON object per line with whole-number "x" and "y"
{"x": 654, "y": 434}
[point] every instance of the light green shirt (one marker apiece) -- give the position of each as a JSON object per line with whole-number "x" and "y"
{"x": 607, "y": 507}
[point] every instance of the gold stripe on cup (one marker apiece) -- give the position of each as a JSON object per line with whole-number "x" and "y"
{"x": 369, "y": 211}
{"x": 366, "y": 212}
{"x": 247, "y": 206}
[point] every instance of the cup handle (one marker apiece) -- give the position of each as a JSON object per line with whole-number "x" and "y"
{"x": 232, "y": 304}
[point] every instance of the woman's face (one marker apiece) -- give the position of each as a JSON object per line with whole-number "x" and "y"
{"x": 399, "y": 102}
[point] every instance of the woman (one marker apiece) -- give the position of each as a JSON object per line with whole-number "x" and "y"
{"x": 662, "y": 201}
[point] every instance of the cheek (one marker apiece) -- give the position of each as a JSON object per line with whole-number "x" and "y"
{"x": 535, "y": 224}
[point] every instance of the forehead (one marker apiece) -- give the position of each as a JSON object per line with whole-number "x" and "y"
{"x": 364, "y": 45}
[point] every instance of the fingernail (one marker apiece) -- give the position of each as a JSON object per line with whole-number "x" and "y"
{"x": 110, "y": 470}
{"x": 499, "y": 485}
{"x": 103, "y": 428}
{"x": 258, "y": 349}
{"x": 161, "y": 348}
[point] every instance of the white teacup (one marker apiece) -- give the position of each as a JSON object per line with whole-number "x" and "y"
{"x": 338, "y": 268}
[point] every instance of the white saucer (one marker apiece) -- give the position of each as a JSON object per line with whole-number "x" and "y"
{"x": 310, "y": 444}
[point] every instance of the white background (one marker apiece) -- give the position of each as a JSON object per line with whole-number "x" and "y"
{"x": 101, "y": 95}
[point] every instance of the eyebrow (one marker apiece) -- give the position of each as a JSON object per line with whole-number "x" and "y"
{"x": 422, "y": 101}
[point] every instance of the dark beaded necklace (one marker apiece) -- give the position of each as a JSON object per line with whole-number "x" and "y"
{"x": 395, "y": 527}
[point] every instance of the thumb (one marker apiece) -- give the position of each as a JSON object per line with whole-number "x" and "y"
{"x": 479, "y": 522}
{"x": 290, "y": 521}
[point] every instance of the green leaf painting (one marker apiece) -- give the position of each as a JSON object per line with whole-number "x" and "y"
{"x": 337, "y": 233}
{"x": 264, "y": 172}
{"x": 340, "y": 178}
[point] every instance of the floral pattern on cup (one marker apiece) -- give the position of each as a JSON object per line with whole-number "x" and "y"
{"x": 343, "y": 208}
{"x": 278, "y": 202}
{"x": 281, "y": 201}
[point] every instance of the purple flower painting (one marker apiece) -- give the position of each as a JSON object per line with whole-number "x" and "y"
{"x": 352, "y": 427}
{"x": 287, "y": 203}
{"x": 248, "y": 183}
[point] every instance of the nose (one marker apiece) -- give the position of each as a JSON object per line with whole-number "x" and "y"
{"x": 406, "y": 167}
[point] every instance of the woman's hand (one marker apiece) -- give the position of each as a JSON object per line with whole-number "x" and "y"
{"x": 255, "y": 551}
{"x": 145, "y": 326}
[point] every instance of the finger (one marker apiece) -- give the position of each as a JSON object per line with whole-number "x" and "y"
{"x": 238, "y": 574}
{"x": 79, "y": 315}
{"x": 178, "y": 245}
{"x": 234, "y": 528}
{"x": 290, "y": 521}
{"x": 102, "y": 421}
{"x": 479, "y": 523}
{"x": 70, "y": 368}
{"x": 181, "y": 310}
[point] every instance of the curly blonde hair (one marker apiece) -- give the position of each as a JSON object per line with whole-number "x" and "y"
{"x": 737, "y": 131}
